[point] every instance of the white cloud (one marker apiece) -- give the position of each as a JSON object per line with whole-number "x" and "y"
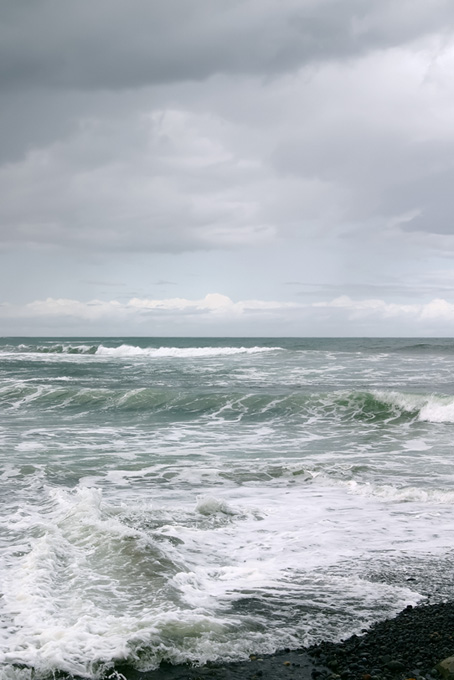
{"x": 438, "y": 310}
{"x": 216, "y": 312}
{"x": 212, "y": 304}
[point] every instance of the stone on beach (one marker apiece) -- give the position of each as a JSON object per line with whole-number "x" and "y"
{"x": 446, "y": 667}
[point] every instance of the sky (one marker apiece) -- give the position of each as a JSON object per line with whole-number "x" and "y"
{"x": 227, "y": 167}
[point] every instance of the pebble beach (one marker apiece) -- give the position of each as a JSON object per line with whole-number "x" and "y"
{"x": 411, "y": 645}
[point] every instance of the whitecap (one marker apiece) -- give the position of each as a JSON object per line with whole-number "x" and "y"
{"x": 128, "y": 351}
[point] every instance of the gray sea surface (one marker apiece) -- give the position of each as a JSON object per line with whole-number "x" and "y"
{"x": 199, "y": 499}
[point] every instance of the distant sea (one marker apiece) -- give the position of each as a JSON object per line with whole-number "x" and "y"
{"x": 200, "y": 499}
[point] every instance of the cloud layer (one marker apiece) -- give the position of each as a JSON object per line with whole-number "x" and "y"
{"x": 110, "y": 44}
{"x": 231, "y": 146}
{"x": 213, "y": 312}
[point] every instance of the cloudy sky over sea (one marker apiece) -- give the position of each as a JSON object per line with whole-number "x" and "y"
{"x": 227, "y": 167}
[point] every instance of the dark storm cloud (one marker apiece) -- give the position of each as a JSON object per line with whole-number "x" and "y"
{"x": 112, "y": 44}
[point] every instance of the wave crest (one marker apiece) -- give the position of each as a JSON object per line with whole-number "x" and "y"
{"x": 429, "y": 408}
{"x": 126, "y": 351}
{"x": 343, "y": 406}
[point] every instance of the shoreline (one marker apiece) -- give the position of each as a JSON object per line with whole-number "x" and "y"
{"x": 409, "y": 645}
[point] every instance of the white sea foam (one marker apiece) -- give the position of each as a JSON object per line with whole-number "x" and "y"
{"x": 401, "y": 494}
{"x": 127, "y": 351}
{"x": 438, "y": 411}
{"x": 34, "y": 351}
{"x": 431, "y": 408}
{"x": 30, "y": 446}
{"x": 207, "y": 505}
{"x": 416, "y": 445}
{"x": 191, "y": 512}
{"x": 100, "y": 583}
{"x": 61, "y": 348}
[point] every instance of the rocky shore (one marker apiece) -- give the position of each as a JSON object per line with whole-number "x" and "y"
{"x": 409, "y": 646}
{"x": 412, "y": 645}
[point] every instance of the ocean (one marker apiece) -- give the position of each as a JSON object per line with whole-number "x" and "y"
{"x": 203, "y": 499}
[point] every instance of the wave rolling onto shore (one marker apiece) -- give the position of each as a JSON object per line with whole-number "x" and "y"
{"x": 197, "y": 500}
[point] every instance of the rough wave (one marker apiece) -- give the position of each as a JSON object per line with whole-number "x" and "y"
{"x": 375, "y": 406}
{"x": 194, "y": 506}
{"x": 126, "y": 351}
{"x": 426, "y": 407}
{"x": 102, "y": 585}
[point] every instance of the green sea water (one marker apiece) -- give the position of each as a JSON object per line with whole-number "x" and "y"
{"x": 197, "y": 499}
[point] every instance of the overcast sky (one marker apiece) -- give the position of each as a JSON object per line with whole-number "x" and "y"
{"x": 227, "y": 167}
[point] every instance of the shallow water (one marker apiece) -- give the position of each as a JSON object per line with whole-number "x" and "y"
{"x": 194, "y": 499}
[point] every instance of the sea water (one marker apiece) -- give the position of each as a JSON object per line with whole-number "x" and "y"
{"x": 202, "y": 499}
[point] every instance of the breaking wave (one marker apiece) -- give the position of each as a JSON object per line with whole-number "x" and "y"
{"x": 178, "y": 352}
{"x": 430, "y": 408}
{"x": 133, "y": 351}
{"x": 101, "y": 585}
{"x": 374, "y": 406}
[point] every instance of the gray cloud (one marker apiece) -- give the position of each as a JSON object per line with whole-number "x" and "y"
{"x": 111, "y": 44}
{"x": 228, "y": 145}
{"x": 432, "y": 199}
{"x": 150, "y": 180}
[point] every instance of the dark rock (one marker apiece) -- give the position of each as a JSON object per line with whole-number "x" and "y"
{"x": 395, "y": 666}
{"x": 446, "y": 668}
{"x": 416, "y": 639}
